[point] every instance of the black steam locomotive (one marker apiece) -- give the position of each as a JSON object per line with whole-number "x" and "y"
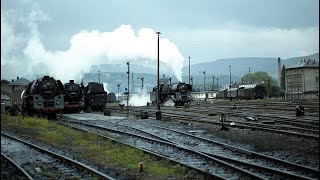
{"x": 74, "y": 99}
{"x": 253, "y": 91}
{"x": 95, "y": 97}
{"x": 43, "y": 97}
{"x": 179, "y": 93}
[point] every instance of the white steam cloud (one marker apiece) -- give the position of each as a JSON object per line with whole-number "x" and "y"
{"x": 24, "y": 52}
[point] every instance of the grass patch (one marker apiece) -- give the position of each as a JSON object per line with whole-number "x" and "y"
{"x": 94, "y": 148}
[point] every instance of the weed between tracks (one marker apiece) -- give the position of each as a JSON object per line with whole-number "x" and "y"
{"x": 115, "y": 156}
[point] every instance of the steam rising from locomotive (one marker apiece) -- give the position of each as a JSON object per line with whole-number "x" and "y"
{"x": 87, "y": 48}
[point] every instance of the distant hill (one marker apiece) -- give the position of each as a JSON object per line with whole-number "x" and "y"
{"x": 240, "y": 66}
{"x": 296, "y": 60}
{"x": 116, "y": 73}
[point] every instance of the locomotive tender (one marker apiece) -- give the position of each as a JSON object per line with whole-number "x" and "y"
{"x": 95, "y": 97}
{"x": 43, "y": 97}
{"x": 180, "y": 93}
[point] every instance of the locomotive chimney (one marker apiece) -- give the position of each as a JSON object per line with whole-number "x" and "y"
{"x": 279, "y": 71}
{"x": 17, "y": 77}
{"x": 71, "y": 81}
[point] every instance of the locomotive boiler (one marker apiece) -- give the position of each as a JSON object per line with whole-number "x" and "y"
{"x": 43, "y": 97}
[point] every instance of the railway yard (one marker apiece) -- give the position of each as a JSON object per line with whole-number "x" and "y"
{"x": 256, "y": 139}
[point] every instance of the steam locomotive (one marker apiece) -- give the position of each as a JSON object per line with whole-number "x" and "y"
{"x": 179, "y": 93}
{"x": 74, "y": 99}
{"x": 95, "y": 97}
{"x": 43, "y": 97}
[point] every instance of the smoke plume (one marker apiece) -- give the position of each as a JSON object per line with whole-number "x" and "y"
{"x": 24, "y": 54}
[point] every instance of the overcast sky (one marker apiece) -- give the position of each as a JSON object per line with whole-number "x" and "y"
{"x": 36, "y": 35}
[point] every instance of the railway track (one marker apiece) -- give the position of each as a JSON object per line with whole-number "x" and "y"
{"x": 213, "y": 167}
{"x": 287, "y": 125}
{"x": 39, "y": 163}
{"x": 258, "y": 165}
{"x": 10, "y": 169}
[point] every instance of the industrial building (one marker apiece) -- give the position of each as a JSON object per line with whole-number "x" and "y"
{"x": 302, "y": 80}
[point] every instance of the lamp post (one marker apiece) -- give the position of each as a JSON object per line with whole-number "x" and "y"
{"x": 189, "y": 69}
{"x": 230, "y": 81}
{"x": 118, "y": 89}
{"x": 191, "y": 81}
{"x": 158, "y": 115}
{"x": 128, "y": 72}
{"x": 204, "y": 80}
{"x": 82, "y": 76}
{"x": 212, "y": 83}
{"x": 217, "y": 84}
{"x": 99, "y": 77}
{"x": 141, "y": 82}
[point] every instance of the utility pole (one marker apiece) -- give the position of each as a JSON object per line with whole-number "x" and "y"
{"x": 118, "y": 90}
{"x": 230, "y": 82}
{"x": 132, "y": 84}
{"x": 189, "y": 69}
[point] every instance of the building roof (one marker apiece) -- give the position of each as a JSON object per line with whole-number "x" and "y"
{"x": 19, "y": 82}
{"x": 306, "y": 63}
{"x": 5, "y": 81}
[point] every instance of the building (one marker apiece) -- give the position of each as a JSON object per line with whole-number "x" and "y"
{"x": 6, "y": 93}
{"x": 302, "y": 80}
{"x": 18, "y": 86}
